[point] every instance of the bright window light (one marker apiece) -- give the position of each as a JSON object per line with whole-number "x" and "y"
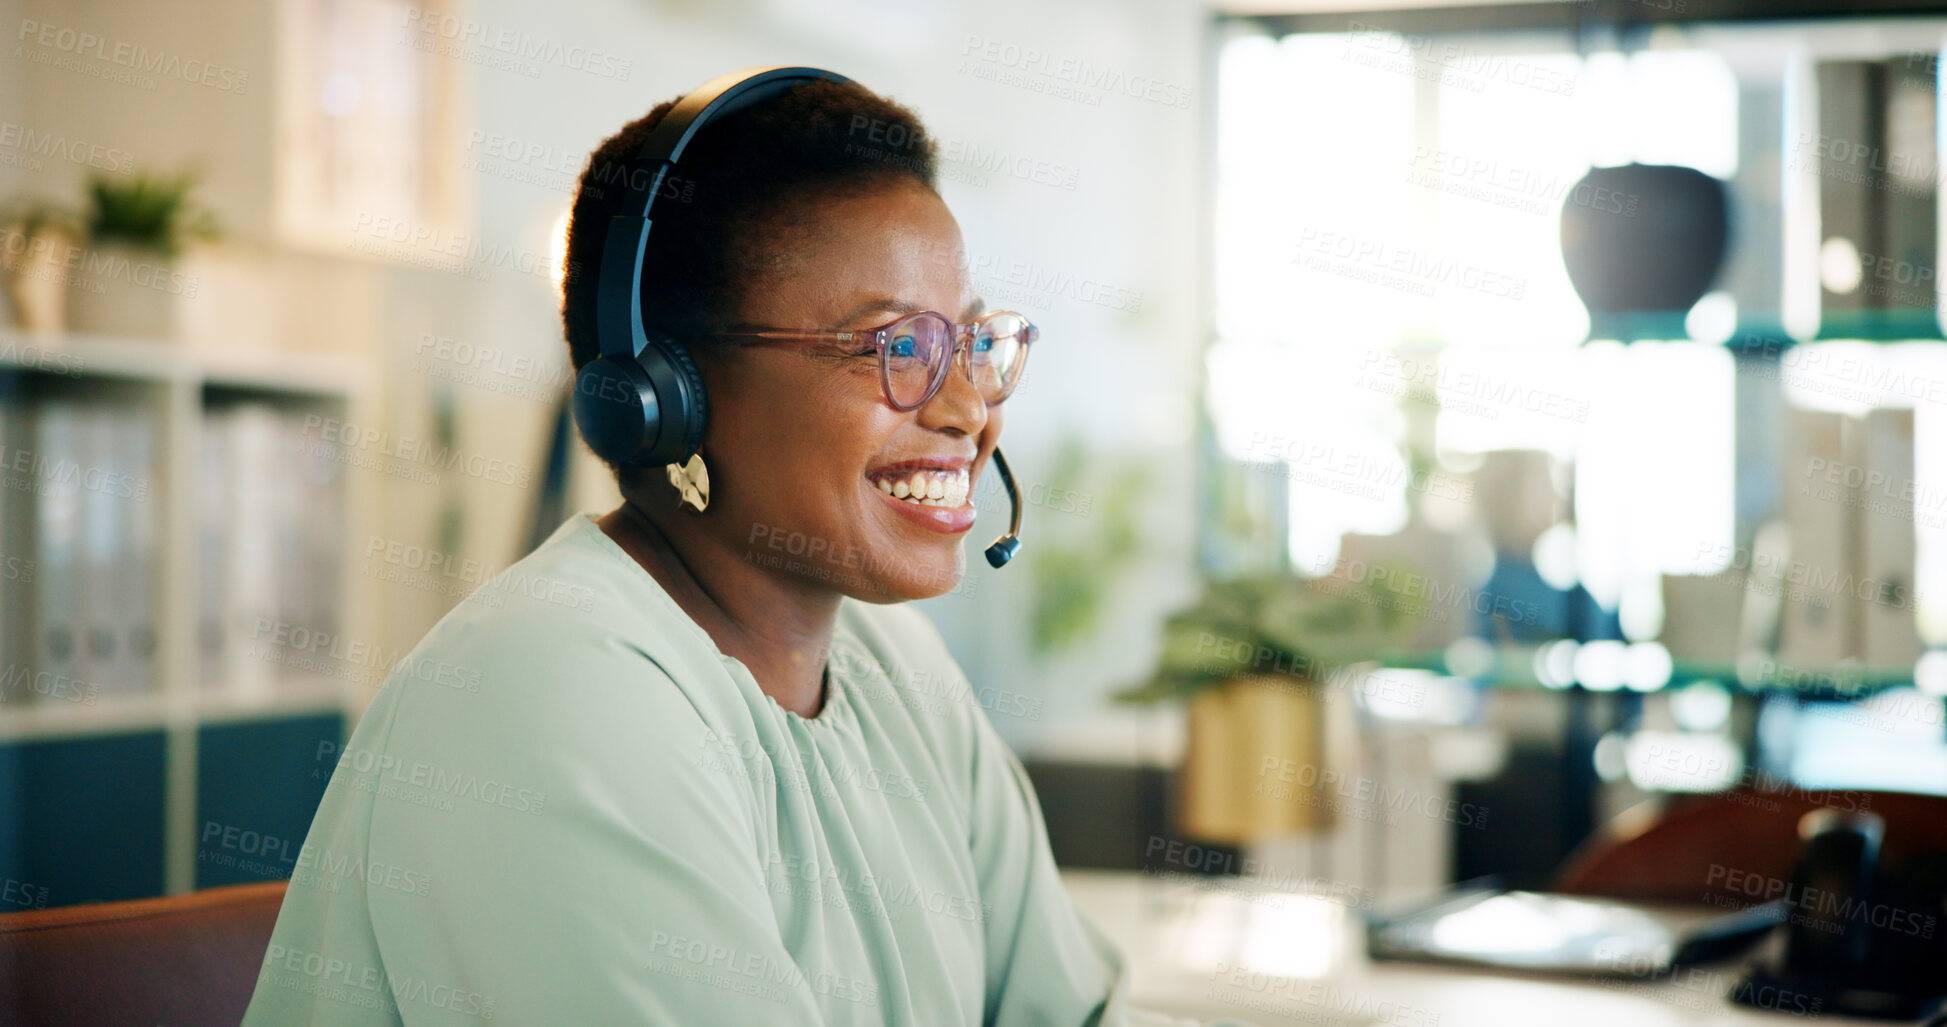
{"x": 1504, "y": 163}
{"x": 1654, "y": 476}
{"x": 1891, "y": 741}
{"x": 1660, "y": 107}
{"x": 1681, "y": 761}
{"x": 1383, "y": 241}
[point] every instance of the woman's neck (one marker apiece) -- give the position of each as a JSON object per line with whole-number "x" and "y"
{"x": 774, "y": 625}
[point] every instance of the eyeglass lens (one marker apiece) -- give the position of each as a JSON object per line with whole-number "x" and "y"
{"x": 919, "y": 355}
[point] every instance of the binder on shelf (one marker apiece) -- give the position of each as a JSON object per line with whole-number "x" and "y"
{"x": 1884, "y": 537}
{"x": 1848, "y": 211}
{"x": 1814, "y": 622}
{"x": 103, "y": 536}
{"x": 268, "y": 519}
{"x": 1909, "y": 199}
{"x": 288, "y": 581}
{"x": 138, "y": 630}
{"x": 309, "y": 483}
{"x": 16, "y": 545}
{"x": 1879, "y": 197}
{"x": 213, "y": 493}
{"x": 257, "y": 645}
{"x": 1702, "y": 615}
{"x": 55, "y": 664}
{"x": 1851, "y": 503}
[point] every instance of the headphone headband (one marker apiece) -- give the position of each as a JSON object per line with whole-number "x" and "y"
{"x": 618, "y": 291}
{"x": 713, "y": 99}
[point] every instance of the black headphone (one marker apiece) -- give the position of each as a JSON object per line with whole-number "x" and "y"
{"x": 641, "y": 402}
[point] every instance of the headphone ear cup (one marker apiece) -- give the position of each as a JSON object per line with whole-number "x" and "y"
{"x": 648, "y": 410}
{"x": 687, "y": 418}
{"x": 615, "y": 407}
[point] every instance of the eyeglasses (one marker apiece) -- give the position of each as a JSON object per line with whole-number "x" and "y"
{"x": 916, "y": 351}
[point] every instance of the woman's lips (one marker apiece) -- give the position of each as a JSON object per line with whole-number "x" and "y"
{"x": 949, "y": 520}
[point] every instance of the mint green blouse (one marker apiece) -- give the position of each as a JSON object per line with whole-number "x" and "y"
{"x": 566, "y": 806}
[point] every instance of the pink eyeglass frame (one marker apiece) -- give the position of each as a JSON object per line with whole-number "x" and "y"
{"x": 880, "y": 337}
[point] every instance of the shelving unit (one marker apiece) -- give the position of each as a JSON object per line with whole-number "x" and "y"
{"x": 1513, "y": 666}
{"x": 173, "y": 383}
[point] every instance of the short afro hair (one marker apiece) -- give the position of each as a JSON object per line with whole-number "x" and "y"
{"x": 735, "y": 179}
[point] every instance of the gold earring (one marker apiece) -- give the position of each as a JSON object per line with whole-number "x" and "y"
{"x": 692, "y": 481}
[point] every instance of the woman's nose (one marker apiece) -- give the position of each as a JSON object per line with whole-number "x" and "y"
{"x": 958, "y": 403}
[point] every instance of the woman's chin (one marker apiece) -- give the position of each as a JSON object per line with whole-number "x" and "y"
{"x": 917, "y": 578}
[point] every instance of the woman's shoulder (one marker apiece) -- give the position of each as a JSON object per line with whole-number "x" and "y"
{"x": 577, "y": 579}
{"x": 566, "y": 632}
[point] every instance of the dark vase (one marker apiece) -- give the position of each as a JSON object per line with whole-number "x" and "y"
{"x": 1644, "y": 238}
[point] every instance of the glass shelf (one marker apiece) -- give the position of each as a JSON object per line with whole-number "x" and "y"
{"x": 1514, "y": 667}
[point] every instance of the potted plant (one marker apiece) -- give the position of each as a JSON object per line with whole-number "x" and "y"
{"x": 128, "y": 282}
{"x": 36, "y": 237}
{"x": 1254, "y": 660}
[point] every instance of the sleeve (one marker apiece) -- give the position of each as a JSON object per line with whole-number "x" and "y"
{"x": 1045, "y": 963}
{"x": 601, "y": 866}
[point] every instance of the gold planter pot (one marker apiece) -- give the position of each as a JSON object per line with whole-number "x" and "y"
{"x": 1254, "y": 761}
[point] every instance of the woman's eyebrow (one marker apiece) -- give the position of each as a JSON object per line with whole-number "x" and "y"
{"x": 887, "y": 303}
{"x": 872, "y": 303}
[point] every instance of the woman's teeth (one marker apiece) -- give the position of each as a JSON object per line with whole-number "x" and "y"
{"x": 928, "y": 488}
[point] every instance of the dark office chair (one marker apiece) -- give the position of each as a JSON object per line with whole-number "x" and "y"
{"x": 182, "y": 960}
{"x": 1665, "y": 850}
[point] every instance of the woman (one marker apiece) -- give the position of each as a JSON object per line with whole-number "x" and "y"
{"x": 688, "y": 763}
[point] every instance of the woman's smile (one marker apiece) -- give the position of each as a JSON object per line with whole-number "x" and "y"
{"x": 931, "y": 492}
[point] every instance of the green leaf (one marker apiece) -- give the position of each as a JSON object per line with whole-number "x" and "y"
{"x": 148, "y": 211}
{"x": 1276, "y": 624}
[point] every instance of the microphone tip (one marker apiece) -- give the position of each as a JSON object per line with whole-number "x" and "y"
{"x": 1002, "y": 551}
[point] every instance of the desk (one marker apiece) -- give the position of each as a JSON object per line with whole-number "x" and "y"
{"x": 1213, "y": 950}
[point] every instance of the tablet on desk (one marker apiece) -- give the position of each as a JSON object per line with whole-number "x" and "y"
{"x": 1484, "y": 925}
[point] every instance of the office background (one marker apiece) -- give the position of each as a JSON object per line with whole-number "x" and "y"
{"x": 1514, "y": 566}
